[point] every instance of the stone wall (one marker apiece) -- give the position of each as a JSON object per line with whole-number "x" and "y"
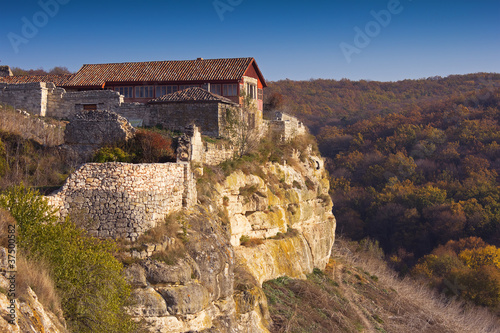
{"x": 73, "y": 101}
{"x": 136, "y": 113}
{"x": 121, "y": 200}
{"x": 211, "y": 153}
{"x": 31, "y": 97}
{"x": 97, "y": 128}
{"x": 45, "y": 99}
{"x": 286, "y": 126}
{"x": 175, "y": 116}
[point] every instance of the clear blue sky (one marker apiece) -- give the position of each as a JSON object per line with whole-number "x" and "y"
{"x": 298, "y": 40}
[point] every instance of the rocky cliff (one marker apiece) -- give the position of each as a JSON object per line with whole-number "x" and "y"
{"x": 203, "y": 269}
{"x": 252, "y": 228}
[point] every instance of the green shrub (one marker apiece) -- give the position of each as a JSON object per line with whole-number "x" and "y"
{"x": 112, "y": 154}
{"x": 88, "y": 278}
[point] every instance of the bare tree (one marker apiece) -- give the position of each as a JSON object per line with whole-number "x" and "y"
{"x": 241, "y": 126}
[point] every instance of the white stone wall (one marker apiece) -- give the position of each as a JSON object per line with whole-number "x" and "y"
{"x": 207, "y": 152}
{"x": 29, "y": 96}
{"x": 45, "y": 99}
{"x": 286, "y": 126}
{"x": 121, "y": 200}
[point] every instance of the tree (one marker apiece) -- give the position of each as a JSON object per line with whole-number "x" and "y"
{"x": 242, "y": 126}
{"x": 88, "y": 278}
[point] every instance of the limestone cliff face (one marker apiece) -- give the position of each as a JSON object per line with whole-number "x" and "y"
{"x": 296, "y": 207}
{"x": 216, "y": 287}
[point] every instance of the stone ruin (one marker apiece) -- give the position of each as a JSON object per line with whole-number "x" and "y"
{"x": 97, "y": 128}
{"x": 88, "y": 130}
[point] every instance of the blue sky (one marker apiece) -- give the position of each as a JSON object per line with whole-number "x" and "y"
{"x": 298, "y": 40}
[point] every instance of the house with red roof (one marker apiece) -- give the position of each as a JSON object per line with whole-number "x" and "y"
{"x": 145, "y": 81}
{"x": 169, "y": 93}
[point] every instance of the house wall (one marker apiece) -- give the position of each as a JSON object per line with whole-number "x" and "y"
{"x": 176, "y": 116}
{"x": 120, "y": 200}
{"x": 137, "y": 114}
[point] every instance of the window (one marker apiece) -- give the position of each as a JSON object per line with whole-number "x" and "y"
{"x": 260, "y": 94}
{"x": 125, "y": 91}
{"x": 188, "y": 86}
{"x": 164, "y": 90}
{"x": 216, "y": 89}
{"x": 251, "y": 90}
{"x": 90, "y": 107}
{"x": 230, "y": 89}
{"x": 161, "y": 90}
{"x": 144, "y": 92}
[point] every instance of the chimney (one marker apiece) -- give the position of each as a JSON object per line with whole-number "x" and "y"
{"x": 199, "y": 59}
{"x": 5, "y": 71}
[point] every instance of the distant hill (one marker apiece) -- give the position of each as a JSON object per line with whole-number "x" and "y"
{"x": 414, "y": 164}
{"x": 336, "y": 102}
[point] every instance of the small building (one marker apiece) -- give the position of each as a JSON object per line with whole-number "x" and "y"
{"x": 191, "y": 106}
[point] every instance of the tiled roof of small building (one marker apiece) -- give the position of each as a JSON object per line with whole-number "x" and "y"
{"x": 158, "y": 71}
{"x": 58, "y": 80}
{"x": 195, "y": 94}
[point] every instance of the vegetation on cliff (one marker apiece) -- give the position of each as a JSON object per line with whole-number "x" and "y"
{"x": 87, "y": 277}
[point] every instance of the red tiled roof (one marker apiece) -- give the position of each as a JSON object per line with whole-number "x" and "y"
{"x": 195, "y": 94}
{"x": 161, "y": 71}
{"x": 58, "y": 80}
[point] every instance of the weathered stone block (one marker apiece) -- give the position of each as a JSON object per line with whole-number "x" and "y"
{"x": 182, "y": 300}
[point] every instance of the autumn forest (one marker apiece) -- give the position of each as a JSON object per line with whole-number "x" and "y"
{"x": 414, "y": 165}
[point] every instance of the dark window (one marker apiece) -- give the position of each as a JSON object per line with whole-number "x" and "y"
{"x": 125, "y": 91}
{"x": 90, "y": 107}
{"x": 216, "y": 89}
{"x": 230, "y": 90}
{"x": 144, "y": 92}
{"x": 188, "y": 86}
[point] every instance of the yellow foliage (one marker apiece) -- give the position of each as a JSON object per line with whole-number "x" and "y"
{"x": 475, "y": 258}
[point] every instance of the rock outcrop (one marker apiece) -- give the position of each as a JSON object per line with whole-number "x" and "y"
{"x": 216, "y": 287}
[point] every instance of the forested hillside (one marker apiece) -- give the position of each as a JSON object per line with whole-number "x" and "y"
{"x": 413, "y": 164}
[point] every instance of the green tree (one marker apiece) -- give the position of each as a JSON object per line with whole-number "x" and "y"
{"x": 88, "y": 278}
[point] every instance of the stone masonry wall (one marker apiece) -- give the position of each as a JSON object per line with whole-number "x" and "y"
{"x": 31, "y": 97}
{"x": 45, "y": 99}
{"x": 120, "y": 200}
{"x": 70, "y": 102}
{"x": 207, "y": 152}
{"x": 286, "y": 126}
{"x": 136, "y": 113}
{"x": 175, "y": 116}
{"x": 92, "y": 127}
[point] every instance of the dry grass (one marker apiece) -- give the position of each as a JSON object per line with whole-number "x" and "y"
{"x": 171, "y": 234}
{"x": 5, "y": 220}
{"x": 250, "y": 242}
{"x": 451, "y": 315}
{"x": 169, "y": 228}
{"x": 34, "y": 274}
{"x": 45, "y": 131}
{"x": 358, "y": 293}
